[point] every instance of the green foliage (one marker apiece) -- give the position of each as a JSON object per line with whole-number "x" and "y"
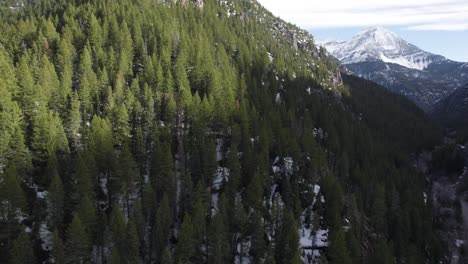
{"x": 77, "y": 243}
{"x": 22, "y": 250}
{"x": 48, "y": 135}
{"x": 58, "y": 251}
{"x": 287, "y": 249}
{"x": 124, "y": 111}
{"x": 185, "y": 245}
{"x": 338, "y": 252}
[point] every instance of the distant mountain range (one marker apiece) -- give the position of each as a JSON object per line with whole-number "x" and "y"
{"x": 382, "y": 56}
{"x": 453, "y": 110}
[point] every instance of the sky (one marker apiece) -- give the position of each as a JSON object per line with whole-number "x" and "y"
{"x": 437, "y": 26}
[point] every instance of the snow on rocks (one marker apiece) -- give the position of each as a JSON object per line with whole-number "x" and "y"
{"x": 214, "y": 203}
{"x": 41, "y": 194}
{"x": 288, "y": 166}
{"x": 46, "y": 237}
{"x": 285, "y": 165}
{"x": 312, "y": 239}
{"x": 276, "y": 168}
{"x": 219, "y": 149}
{"x": 319, "y": 133}
{"x": 321, "y": 238}
{"x": 242, "y": 252}
{"x": 103, "y": 203}
{"x": 278, "y": 98}
{"x": 103, "y": 185}
{"x": 221, "y": 175}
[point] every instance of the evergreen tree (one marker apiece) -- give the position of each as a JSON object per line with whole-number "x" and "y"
{"x": 73, "y": 121}
{"x": 56, "y": 199}
{"x": 185, "y": 245}
{"x": 118, "y": 228}
{"x": 12, "y": 193}
{"x": 217, "y": 251}
{"x": 77, "y": 242}
{"x": 166, "y": 257}
{"x": 132, "y": 243}
{"x": 48, "y": 135}
{"x": 162, "y": 173}
{"x": 88, "y": 82}
{"x": 58, "y": 251}
{"x": 379, "y": 210}
{"x": 162, "y": 224}
{"x": 287, "y": 247}
{"x": 338, "y": 253}
{"x": 88, "y": 217}
{"x": 22, "y": 250}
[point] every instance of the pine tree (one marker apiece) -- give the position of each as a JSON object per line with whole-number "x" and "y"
{"x": 337, "y": 252}
{"x": 199, "y": 220}
{"x": 101, "y": 146}
{"x": 88, "y": 82}
{"x": 162, "y": 172}
{"x": 49, "y": 82}
{"x": 118, "y": 228}
{"x": 22, "y": 250}
{"x": 254, "y": 193}
{"x": 30, "y": 97}
{"x": 116, "y": 257}
{"x": 64, "y": 65}
{"x": 126, "y": 173}
{"x": 11, "y": 192}
{"x": 162, "y": 224}
{"x": 287, "y": 248}
{"x": 379, "y": 210}
{"x": 56, "y": 198}
{"x": 77, "y": 242}
{"x": 217, "y": 246}
{"x": 58, "y": 252}
{"x": 258, "y": 247}
{"x": 7, "y": 74}
{"x": 132, "y": 243}
{"x": 48, "y": 135}
{"x": 88, "y": 216}
{"x": 185, "y": 245}
{"x": 73, "y": 120}
{"x": 166, "y": 257}
{"x": 125, "y": 44}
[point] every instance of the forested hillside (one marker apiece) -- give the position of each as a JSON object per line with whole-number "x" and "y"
{"x": 145, "y": 131}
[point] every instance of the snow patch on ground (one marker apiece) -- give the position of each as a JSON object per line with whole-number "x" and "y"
{"x": 312, "y": 239}
{"x": 46, "y": 237}
{"x": 244, "y": 247}
{"x": 41, "y": 194}
{"x": 278, "y": 98}
{"x": 221, "y": 175}
{"x": 219, "y": 149}
{"x": 214, "y": 203}
{"x": 406, "y": 62}
{"x": 286, "y": 165}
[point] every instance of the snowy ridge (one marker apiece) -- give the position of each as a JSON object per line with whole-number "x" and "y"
{"x": 377, "y": 43}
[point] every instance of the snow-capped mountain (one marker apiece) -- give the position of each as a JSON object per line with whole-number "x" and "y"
{"x": 380, "y": 55}
{"x": 377, "y": 43}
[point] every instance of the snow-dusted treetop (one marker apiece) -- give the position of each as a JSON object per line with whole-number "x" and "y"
{"x": 378, "y": 43}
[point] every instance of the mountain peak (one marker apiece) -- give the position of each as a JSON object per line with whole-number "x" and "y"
{"x": 380, "y": 44}
{"x": 375, "y": 29}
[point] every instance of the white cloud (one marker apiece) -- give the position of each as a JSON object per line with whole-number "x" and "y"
{"x": 414, "y": 15}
